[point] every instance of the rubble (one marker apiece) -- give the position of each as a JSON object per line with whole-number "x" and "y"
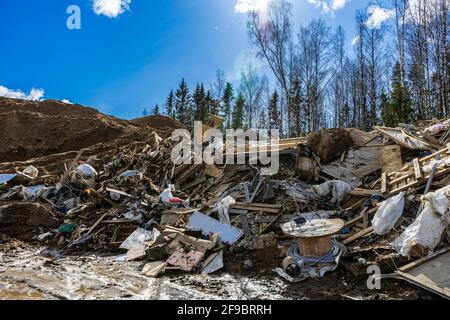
{"x": 354, "y": 209}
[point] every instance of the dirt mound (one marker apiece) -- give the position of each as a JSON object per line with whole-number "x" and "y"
{"x": 38, "y": 128}
{"x": 33, "y": 129}
{"x": 329, "y": 144}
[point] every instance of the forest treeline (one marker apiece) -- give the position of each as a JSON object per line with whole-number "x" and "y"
{"x": 395, "y": 71}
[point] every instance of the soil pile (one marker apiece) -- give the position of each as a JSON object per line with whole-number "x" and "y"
{"x": 34, "y": 129}
{"x": 329, "y": 144}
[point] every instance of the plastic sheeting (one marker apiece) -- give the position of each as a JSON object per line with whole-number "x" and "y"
{"x": 6, "y": 177}
{"x": 337, "y": 189}
{"x": 31, "y": 171}
{"x": 207, "y": 225}
{"x": 426, "y": 231}
{"x": 86, "y": 171}
{"x": 222, "y": 209}
{"x": 167, "y": 197}
{"x": 388, "y": 214}
{"x": 139, "y": 237}
{"x": 33, "y": 193}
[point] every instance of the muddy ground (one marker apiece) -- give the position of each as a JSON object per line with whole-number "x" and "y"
{"x": 30, "y": 271}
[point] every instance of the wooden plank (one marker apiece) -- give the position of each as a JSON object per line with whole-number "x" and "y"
{"x": 244, "y": 224}
{"x": 391, "y": 158}
{"x": 431, "y": 273}
{"x": 195, "y": 183}
{"x": 213, "y": 171}
{"x": 424, "y": 159}
{"x": 262, "y": 205}
{"x": 417, "y": 170}
{"x": 187, "y": 173}
{"x": 367, "y": 169}
{"x": 360, "y": 192}
{"x": 237, "y": 211}
{"x": 358, "y": 235}
{"x": 384, "y": 183}
{"x": 421, "y": 261}
{"x": 256, "y": 209}
{"x": 404, "y": 187}
{"x": 405, "y": 139}
{"x": 355, "y": 205}
{"x": 360, "y": 217}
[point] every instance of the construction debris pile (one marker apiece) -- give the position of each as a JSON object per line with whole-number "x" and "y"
{"x": 342, "y": 197}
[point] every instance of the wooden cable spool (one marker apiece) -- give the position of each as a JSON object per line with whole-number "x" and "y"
{"x": 314, "y": 236}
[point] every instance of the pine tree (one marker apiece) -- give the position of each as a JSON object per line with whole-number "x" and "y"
{"x": 145, "y": 112}
{"x": 183, "y": 112}
{"x": 274, "y": 112}
{"x": 399, "y": 108}
{"x": 212, "y": 104}
{"x": 200, "y": 104}
{"x": 227, "y": 99}
{"x": 238, "y": 112}
{"x": 156, "y": 110}
{"x": 170, "y": 105}
{"x": 388, "y": 114}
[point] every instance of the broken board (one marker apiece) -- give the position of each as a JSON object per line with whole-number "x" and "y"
{"x": 391, "y": 158}
{"x": 412, "y": 175}
{"x": 431, "y": 273}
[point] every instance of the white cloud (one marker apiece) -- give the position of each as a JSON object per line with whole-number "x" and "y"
{"x": 111, "y": 8}
{"x": 34, "y": 95}
{"x": 66, "y": 101}
{"x": 338, "y": 4}
{"x": 329, "y": 6}
{"x": 355, "y": 40}
{"x": 377, "y": 16}
{"x": 244, "y": 6}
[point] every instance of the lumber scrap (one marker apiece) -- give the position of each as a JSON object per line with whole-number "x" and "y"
{"x": 358, "y": 235}
{"x": 391, "y": 158}
{"x": 406, "y": 139}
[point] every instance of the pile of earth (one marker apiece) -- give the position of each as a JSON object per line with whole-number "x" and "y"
{"x": 32, "y": 129}
{"x": 49, "y": 134}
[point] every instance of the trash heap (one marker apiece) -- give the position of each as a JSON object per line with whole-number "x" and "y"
{"x": 342, "y": 197}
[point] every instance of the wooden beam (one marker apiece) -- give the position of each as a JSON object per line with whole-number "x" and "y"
{"x": 358, "y": 235}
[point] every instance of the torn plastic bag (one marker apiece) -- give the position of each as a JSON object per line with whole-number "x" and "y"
{"x": 139, "y": 237}
{"x": 86, "y": 171}
{"x": 388, "y": 214}
{"x": 437, "y": 128}
{"x": 426, "y": 231}
{"x": 31, "y": 171}
{"x": 33, "y": 193}
{"x": 131, "y": 173}
{"x": 167, "y": 197}
{"x": 336, "y": 189}
{"x": 222, "y": 209}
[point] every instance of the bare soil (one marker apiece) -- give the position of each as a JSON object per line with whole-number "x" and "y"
{"x": 34, "y": 129}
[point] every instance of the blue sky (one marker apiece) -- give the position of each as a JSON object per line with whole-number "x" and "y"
{"x": 121, "y": 65}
